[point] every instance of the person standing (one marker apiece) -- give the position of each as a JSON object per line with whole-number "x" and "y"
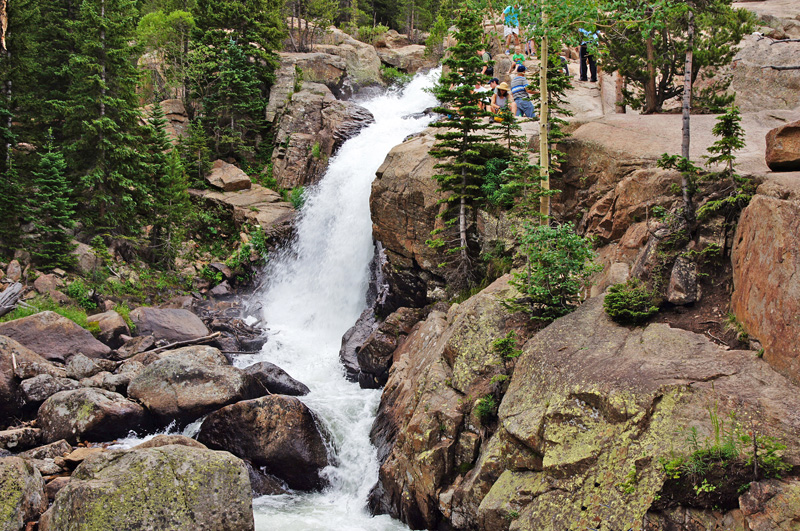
{"x": 519, "y": 91}
{"x": 586, "y": 55}
{"x": 511, "y": 25}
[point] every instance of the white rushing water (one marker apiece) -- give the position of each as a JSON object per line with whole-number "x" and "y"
{"x": 314, "y": 295}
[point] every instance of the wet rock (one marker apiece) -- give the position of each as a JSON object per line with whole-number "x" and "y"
{"x": 112, "y": 327}
{"x": 54, "y": 486}
{"x": 276, "y": 432}
{"x": 263, "y": 483}
{"x": 89, "y": 414}
{"x": 783, "y": 148}
{"x": 53, "y": 337}
{"x": 20, "y": 439}
{"x": 275, "y": 380}
{"x": 228, "y": 177}
{"x": 376, "y": 353}
{"x": 166, "y": 440}
{"x": 168, "y": 324}
{"x": 23, "y": 497}
{"x": 168, "y": 488}
{"x": 352, "y": 341}
{"x": 188, "y": 383}
{"x": 221, "y": 290}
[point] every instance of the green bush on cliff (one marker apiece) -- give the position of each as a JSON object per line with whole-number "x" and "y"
{"x": 630, "y": 302}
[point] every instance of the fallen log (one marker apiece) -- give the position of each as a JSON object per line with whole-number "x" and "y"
{"x": 10, "y": 297}
{"x": 185, "y": 342}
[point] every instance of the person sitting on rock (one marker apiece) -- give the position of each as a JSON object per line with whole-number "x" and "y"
{"x": 501, "y": 99}
{"x": 518, "y": 59}
{"x": 487, "y": 68}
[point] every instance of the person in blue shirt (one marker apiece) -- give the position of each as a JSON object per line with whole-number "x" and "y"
{"x": 519, "y": 92}
{"x": 588, "y": 39}
{"x": 511, "y": 25}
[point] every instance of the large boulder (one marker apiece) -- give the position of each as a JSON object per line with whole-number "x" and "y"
{"x": 410, "y": 58}
{"x": 36, "y": 390}
{"x": 361, "y": 59}
{"x": 228, "y": 177}
{"x": 312, "y": 127}
{"x": 168, "y": 324}
{"x": 167, "y": 488}
{"x": 89, "y": 414}
{"x": 23, "y": 497}
{"x": 276, "y": 432}
{"x": 87, "y": 261}
{"x": 112, "y": 327}
{"x": 275, "y": 380}
{"x": 766, "y": 276}
{"x": 185, "y": 385}
{"x": 588, "y": 403}
{"x": 376, "y": 354}
{"x": 54, "y": 337}
{"x": 783, "y": 148}
{"x": 28, "y": 364}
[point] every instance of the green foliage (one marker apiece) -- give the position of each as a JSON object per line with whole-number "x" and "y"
{"x": 434, "y": 44}
{"x": 166, "y": 35}
{"x": 297, "y": 86}
{"x": 82, "y": 293}
{"x": 394, "y": 77}
{"x": 316, "y": 152}
{"x": 370, "y": 34}
{"x": 51, "y": 209}
{"x": 43, "y": 304}
{"x": 507, "y": 346}
{"x": 558, "y": 264}
{"x": 630, "y": 302}
{"x": 297, "y": 197}
{"x": 485, "y": 408}
{"x": 731, "y": 138}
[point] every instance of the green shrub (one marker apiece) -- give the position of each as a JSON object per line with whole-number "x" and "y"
{"x": 485, "y": 408}
{"x": 41, "y": 304}
{"x": 395, "y": 77}
{"x": 630, "y": 302}
{"x": 507, "y": 346}
{"x": 82, "y": 294}
{"x": 296, "y": 197}
{"x": 370, "y": 34}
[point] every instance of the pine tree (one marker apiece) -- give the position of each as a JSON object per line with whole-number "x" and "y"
{"x": 169, "y": 199}
{"x": 460, "y": 145}
{"x": 729, "y": 129}
{"x": 51, "y": 210}
{"x": 102, "y": 116}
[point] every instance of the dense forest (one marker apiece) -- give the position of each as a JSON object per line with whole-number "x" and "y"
{"x": 83, "y": 146}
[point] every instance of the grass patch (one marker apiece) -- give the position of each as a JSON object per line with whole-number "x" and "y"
{"x": 45, "y": 303}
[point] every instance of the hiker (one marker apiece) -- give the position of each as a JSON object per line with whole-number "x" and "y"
{"x": 588, "y": 39}
{"x": 519, "y": 92}
{"x": 511, "y": 25}
{"x": 486, "y": 57}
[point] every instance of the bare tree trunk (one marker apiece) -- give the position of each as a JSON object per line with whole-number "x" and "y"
{"x": 650, "y": 104}
{"x": 9, "y": 298}
{"x": 544, "y": 145}
{"x": 462, "y": 219}
{"x": 620, "y": 94}
{"x": 687, "y": 106}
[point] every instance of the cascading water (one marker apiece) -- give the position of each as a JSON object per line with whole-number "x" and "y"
{"x": 315, "y": 293}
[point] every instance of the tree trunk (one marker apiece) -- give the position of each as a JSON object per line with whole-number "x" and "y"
{"x": 462, "y": 220}
{"x": 687, "y": 106}
{"x": 619, "y": 94}
{"x": 544, "y": 151}
{"x": 650, "y": 99}
{"x": 9, "y": 298}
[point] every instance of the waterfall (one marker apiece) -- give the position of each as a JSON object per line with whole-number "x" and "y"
{"x": 315, "y": 292}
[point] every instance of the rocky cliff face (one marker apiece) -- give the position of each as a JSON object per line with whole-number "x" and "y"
{"x": 592, "y": 411}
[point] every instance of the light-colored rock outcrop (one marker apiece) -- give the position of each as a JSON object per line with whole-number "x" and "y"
{"x": 757, "y": 87}
{"x": 227, "y": 177}
{"x": 410, "y": 58}
{"x": 168, "y": 324}
{"x": 167, "y": 488}
{"x": 53, "y": 337}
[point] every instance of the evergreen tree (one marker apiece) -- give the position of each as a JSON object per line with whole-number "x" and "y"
{"x": 51, "y": 210}
{"x": 460, "y": 145}
{"x": 102, "y": 116}
{"x": 729, "y": 129}
{"x": 10, "y": 205}
{"x": 169, "y": 199}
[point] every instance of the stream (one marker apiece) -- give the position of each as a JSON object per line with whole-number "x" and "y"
{"x": 316, "y": 291}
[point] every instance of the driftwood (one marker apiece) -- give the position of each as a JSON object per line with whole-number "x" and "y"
{"x": 186, "y": 342}
{"x": 9, "y": 298}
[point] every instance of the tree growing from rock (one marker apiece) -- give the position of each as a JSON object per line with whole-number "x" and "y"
{"x": 731, "y": 138}
{"x": 459, "y": 146}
